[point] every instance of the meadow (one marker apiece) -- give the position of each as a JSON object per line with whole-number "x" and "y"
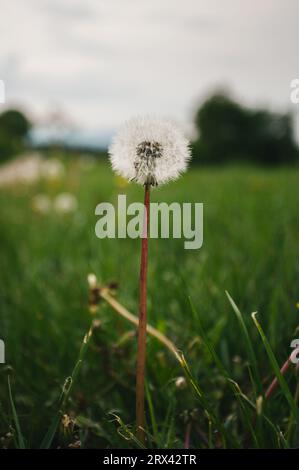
{"x": 250, "y": 250}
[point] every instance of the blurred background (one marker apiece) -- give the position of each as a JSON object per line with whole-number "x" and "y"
{"x": 73, "y": 72}
{"x": 77, "y": 70}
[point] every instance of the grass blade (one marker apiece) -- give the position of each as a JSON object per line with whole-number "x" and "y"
{"x": 68, "y": 385}
{"x": 152, "y": 414}
{"x": 255, "y": 377}
{"x": 20, "y": 439}
{"x": 217, "y": 361}
{"x": 282, "y": 382}
{"x": 48, "y": 438}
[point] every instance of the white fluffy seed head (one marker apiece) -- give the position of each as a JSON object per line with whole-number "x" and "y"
{"x": 149, "y": 150}
{"x": 92, "y": 280}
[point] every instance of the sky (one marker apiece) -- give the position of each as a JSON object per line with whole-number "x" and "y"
{"x": 93, "y": 64}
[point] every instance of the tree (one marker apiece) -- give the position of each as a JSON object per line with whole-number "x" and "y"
{"x": 14, "y": 129}
{"x": 229, "y": 131}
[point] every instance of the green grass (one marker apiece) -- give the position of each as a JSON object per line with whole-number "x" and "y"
{"x": 251, "y": 250}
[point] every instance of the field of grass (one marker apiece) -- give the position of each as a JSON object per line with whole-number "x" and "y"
{"x": 251, "y": 250}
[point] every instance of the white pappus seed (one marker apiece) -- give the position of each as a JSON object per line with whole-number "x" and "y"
{"x": 149, "y": 150}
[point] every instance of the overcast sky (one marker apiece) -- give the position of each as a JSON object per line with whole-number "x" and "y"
{"x": 100, "y": 62}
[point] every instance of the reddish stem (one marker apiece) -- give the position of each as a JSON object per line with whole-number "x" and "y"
{"x": 141, "y": 348}
{"x": 187, "y": 436}
{"x": 274, "y": 384}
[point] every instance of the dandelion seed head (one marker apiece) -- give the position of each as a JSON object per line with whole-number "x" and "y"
{"x": 149, "y": 150}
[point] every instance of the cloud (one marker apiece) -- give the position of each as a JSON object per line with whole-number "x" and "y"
{"x": 102, "y": 61}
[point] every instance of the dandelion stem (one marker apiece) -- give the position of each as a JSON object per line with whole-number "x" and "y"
{"x": 141, "y": 346}
{"x": 275, "y": 383}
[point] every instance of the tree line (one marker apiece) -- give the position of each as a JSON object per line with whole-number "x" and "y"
{"x": 226, "y": 131}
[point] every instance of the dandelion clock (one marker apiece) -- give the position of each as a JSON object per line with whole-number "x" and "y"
{"x": 149, "y": 151}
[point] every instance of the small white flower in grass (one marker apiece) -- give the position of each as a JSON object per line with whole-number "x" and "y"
{"x": 65, "y": 203}
{"x": 41, "y": 203}
{"x": 92, "y": 280}
{"x": 150, "y": 151}
{"x": 52, "y": 169}
{"x": 180, "y": 383}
